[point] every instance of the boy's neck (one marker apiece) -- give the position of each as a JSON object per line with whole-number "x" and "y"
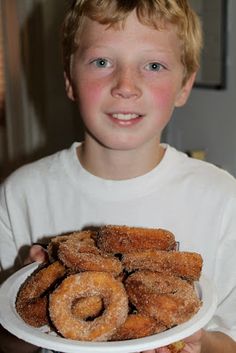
{"x": 119, "y": 165}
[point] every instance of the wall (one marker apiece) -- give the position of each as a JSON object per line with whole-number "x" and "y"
{"x": 40, "y": 119}
{"x": 2, "y": 98}
{"x": 208, "y": 121}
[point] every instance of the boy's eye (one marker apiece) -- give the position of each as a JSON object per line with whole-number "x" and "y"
{"x": 100, "y": 62}
{"x": 154, "y": 66}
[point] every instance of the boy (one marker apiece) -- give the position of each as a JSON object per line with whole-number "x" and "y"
{"x": 128, "y": 64}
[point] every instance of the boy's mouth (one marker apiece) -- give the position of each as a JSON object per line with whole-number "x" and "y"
{"x": 125, "y": 116}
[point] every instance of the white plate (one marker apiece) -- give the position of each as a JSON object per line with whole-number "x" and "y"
{"x": 42, "y": 337}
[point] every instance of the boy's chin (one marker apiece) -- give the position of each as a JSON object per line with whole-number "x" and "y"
{"x": 125, "y": 143}
{"x": 123, "y": 146}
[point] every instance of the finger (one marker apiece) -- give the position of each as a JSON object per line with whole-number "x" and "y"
{"x": 158, "y": 350}
{"x": 162, "y": 350}
{"x": 37, "y": 253}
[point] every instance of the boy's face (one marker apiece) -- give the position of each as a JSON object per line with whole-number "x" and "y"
{"x": 127, "y": 82}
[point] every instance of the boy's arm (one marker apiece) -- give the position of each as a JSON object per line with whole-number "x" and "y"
{"x": 217, "y": 342}
{"x": 204, "y": 342}
{"x": 8, "y": 247}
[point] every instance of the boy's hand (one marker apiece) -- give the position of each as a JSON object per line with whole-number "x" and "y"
{"x": 36, "y": 254}
{"x": 192, "y": 345}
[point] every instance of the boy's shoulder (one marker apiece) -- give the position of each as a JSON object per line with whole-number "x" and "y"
{"x": 43, "y": 169}
{"x": 202, "y": 172}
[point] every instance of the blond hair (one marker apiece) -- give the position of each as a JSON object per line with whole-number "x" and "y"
{"x": 154, "y": 13}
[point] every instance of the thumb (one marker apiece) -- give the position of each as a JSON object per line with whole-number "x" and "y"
{"x": 37, "y": 253}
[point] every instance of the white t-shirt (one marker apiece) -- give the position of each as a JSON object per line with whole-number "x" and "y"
{"x": 193, "y": 199}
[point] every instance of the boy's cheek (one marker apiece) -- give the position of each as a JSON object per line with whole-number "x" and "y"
{"x": 163, "y": 97}
{"x": 90, "y": 93}
{"x": 159, "y": 97}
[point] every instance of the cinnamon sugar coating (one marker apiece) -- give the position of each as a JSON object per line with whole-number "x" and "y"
{"x": 183, "y": 264}
{"x": 32, "y": 300}
{"x": 168, "y": 299}
{"x": 86, "y": 284}
{"x": 122, "y": 239}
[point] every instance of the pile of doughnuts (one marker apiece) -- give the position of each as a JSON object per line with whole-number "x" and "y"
{"x": 113, "y": 283}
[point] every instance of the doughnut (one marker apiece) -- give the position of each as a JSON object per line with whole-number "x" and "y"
{"x": 122, "y": 239}
{"x": 53, "y": 246}
{"x": 87, "y": 307}
{"x": 85, "y": 237}
{"x": 168, "y": 299}
{"x": 85, "y": 256}
{"x": 176, "y": 347}
{"x": 187, "y": 265}
{"x": 84, "y": 284}
{"x": 32, "y": 299}
{"x": 135, "y": 326}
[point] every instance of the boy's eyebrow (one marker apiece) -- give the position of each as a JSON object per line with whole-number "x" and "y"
{"x": 158, "y": 50}
{"x": 87, "y": 48}
{"x": 92, "y": 47}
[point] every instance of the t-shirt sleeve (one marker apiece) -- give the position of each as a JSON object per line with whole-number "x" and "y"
{"x": 8, "y": 250}
{"x": 224, "y": 319}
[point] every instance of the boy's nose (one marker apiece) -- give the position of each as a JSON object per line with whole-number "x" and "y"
{"x": 125, "y": 85}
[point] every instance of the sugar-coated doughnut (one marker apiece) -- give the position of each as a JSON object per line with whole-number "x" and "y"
{"x": 85, "y": 256}
{"x": 168, "y": 299}
{"x": 122, "y": 239}
{"x": 31, "y": 300}
{"x": 184, "y": 264}
{"x": 85, "y": 284}
{"x": 83, "y": 237}
{"x": 176, "y": 347}
{"x": 135, "y": 326}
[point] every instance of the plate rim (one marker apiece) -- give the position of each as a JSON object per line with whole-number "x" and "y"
{"x": 20, "y": 329}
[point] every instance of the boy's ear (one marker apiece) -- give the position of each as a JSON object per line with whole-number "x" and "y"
{"x": 184, "y": 93}
{"x": 69, "y": 87}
